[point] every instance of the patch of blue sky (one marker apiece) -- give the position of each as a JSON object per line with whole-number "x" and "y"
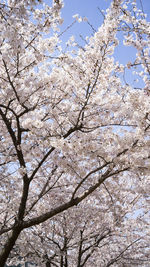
{"x": 93, "y": 11}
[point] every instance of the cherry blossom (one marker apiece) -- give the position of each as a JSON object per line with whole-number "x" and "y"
{"x": 74, "y": 154}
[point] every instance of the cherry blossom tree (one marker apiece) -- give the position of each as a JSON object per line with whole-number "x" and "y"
{"x": 74, "y": 137}
{"x": 102, "y": 236}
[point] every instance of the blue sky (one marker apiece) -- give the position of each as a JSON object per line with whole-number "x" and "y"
{"x": 85, "y": 8}
{"x": 89, "y": 9}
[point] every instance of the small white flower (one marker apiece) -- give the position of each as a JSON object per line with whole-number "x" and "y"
{"x": 76, "y": 16}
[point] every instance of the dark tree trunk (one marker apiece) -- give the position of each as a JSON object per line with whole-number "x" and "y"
{"x": 48, "y": 264}
{"x": 8, "y": 246}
